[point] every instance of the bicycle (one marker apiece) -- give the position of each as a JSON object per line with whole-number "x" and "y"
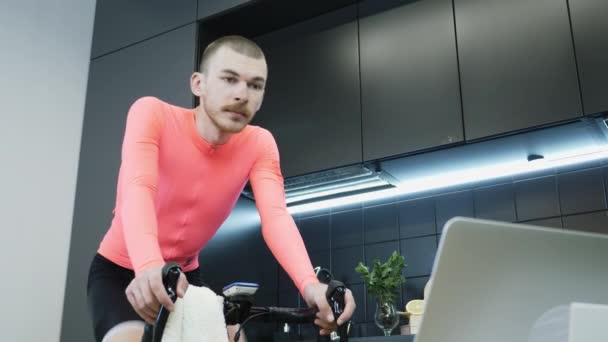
{"x": 239, "y": 309}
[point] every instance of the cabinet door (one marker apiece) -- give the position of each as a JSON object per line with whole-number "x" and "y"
{"x": 590, "y": 29}
{"x": 207, "y": 8}
{"x": 312, "y": 102}
{"x": 158, "y": 67}
{"x": 409, "y": 76}
{"x": 516, "y": 64}
{"x": 120, "y": 23}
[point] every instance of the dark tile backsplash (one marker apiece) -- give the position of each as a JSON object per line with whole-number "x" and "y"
{"x": 347, "y": 228}
{"x": 416, "y": 218}
{"x": 596, "y": 222}
{"x": 321, "y": 259}
{"x": 358, "y": 291}
{"x": 495, "y": 203}
{"x": 536, "y": 198}
{"x": 344, "y": 261}
{"x": 381, "y": 223}
{"x": 380, "y": 251}
{"x": 451, "y": 205}
{"x": 288, "y": 299}
{"x": 285, "y": 283}
{"x": 419, "y": 254}
{"x": 315, "y": 233}
{"x": 338, "y": 239}
{"x": 581, "y": 191}
{"x": 555, "y": 222}
{"x": 414, "y": 288}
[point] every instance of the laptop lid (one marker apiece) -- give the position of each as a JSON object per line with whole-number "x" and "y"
{"x": 493, "y": 280}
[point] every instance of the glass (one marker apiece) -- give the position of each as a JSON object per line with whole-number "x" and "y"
{"x": 386, "y": 316}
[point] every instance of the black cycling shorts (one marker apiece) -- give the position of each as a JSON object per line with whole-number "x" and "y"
{"x": 106, "y": 298}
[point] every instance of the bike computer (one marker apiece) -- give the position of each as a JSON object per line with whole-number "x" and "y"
{"x": 240, "y": 288}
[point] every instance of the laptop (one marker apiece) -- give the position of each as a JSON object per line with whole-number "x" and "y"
{"x": 492, "y": 280}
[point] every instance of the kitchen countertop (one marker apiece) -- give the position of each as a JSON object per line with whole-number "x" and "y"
{"x": 397, "y": 338}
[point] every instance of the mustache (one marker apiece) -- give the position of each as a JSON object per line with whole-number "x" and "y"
{"x": 240, "y": 107}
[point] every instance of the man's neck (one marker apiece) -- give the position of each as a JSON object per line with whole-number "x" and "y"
{"x": 207, "y": 129}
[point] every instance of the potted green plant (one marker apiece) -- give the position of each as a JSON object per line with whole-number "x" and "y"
{"x": 383, "y": 282}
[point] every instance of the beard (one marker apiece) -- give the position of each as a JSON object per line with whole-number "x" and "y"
{"x": 225, "y": 118}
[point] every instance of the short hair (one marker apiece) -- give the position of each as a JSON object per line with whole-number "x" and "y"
{"x": 236, "y": 43}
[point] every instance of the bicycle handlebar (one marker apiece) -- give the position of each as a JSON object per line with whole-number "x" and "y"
{"x": 239, "y": 309}
{"x": 286, "y": 315}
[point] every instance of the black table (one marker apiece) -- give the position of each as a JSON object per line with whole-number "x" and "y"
{"x": 404, "y": 338}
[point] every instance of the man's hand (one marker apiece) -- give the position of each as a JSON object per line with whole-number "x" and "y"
{"x": 146, "y": 293}
{"x": 314, "y": 295}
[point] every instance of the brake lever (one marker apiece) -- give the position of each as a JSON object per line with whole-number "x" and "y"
{"x": 171, "y": 272}
{"x": 170, "y": 275}
{"x": 336, "y": 290}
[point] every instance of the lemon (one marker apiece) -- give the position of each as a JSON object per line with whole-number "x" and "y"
{"x": 415, "y": 307}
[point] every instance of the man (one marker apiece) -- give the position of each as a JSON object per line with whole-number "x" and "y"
{"x": 181, "y": 174}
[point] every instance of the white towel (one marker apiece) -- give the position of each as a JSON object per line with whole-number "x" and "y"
{"x": 198, "y": 317}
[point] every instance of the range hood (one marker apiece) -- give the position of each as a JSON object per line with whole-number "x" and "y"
{"x": 339, "y": 182}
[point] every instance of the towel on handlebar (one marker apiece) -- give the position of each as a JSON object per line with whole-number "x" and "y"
{"x": 199, "y": 316}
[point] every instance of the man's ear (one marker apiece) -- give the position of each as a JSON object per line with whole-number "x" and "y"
{"x": 198, "y": 84}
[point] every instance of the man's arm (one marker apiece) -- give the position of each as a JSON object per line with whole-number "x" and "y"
{"x": 284, "y": 239}
{"x": 278, "y": 227}
{"x": 139, "y": 177}
{"x": 138, "y": 183}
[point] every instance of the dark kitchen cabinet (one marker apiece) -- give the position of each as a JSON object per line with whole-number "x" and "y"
{"x": 517, "y": 65}
{"x": 311, "y": 103}
{"x": 207, "y": 8}
{"x": 121, "y": 23}
{"x": 409, "y": 77}
{"x": 590, "y": 29}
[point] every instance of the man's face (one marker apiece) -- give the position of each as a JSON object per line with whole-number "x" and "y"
{"x": 232, "y": 89}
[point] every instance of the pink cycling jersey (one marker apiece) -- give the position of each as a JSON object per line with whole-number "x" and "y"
{"x": 175, "y": 190}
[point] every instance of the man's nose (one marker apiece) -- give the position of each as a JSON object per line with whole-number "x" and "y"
{"x": 241, "y": 92}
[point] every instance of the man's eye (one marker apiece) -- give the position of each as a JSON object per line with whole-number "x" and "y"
{"x": 230, "y": 79}
{"x": 256, "y": 86}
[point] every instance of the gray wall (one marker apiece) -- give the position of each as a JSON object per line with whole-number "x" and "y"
{"x": 44, "y": 64}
